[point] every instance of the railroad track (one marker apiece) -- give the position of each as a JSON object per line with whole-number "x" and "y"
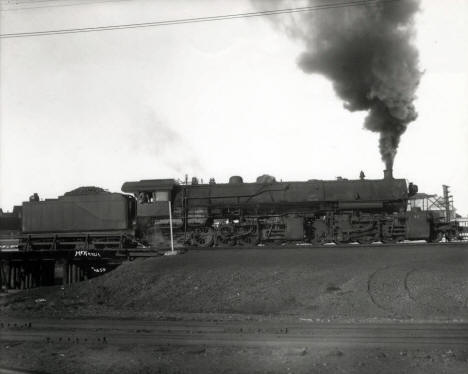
{"x": 123, "y": 332}
{"x": 375, "y": 245}
{"x": 152, "y": 252}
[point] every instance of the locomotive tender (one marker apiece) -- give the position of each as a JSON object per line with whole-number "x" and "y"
{"x": 229, "y": 214}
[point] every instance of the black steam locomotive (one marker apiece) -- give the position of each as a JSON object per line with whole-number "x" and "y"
{"x": 228, "y": 214}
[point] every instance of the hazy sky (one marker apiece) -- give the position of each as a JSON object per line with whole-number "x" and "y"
{"x": 208, "y": 99}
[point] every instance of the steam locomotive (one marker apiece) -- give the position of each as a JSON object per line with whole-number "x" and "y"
{"x": 150, "y": 212}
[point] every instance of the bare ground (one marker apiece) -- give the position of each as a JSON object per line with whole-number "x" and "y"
{"x": 72, "y": 358}
{"x": 351, "y": 284}
{"x": 355, "y": 285}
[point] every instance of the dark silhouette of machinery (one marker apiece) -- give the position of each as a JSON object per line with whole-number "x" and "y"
{"x": 229, "y": 214}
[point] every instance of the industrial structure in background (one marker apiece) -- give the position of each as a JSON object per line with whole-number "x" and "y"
{"x": 442, "y": 206}
{"x": 89, "y": 230}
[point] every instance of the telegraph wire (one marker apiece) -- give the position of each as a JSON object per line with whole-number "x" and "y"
{"x": 56, "y": 5}
{"x": 197, "y": 19}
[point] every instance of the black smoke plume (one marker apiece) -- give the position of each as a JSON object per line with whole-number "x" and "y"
{"x": 367, "y": 52}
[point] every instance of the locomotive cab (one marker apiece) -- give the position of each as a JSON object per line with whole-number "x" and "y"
{"x": 154, "y": 208}
{"x": 153, "y": 196}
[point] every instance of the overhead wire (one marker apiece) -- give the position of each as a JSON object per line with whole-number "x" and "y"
{"x": 77, "y": 3}
{"x": 198, "y": 19}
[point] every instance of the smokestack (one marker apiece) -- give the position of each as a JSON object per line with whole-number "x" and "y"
{"x": 388, "y": 174}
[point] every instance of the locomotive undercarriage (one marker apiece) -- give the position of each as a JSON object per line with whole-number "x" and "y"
{"x": 316, "y": 229}
{"x": 350, "y": 227}
{"x": 77, "y": 241}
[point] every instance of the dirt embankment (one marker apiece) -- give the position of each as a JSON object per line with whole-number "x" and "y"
{"x": 327, "y": 283}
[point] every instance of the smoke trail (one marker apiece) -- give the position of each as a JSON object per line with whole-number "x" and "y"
{"x": 367, "y": 52}
{"x": 150, "y": 136}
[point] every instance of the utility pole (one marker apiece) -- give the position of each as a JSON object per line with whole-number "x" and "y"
{"x": 446, "y": 202}
{"x": 170, "y": 225}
